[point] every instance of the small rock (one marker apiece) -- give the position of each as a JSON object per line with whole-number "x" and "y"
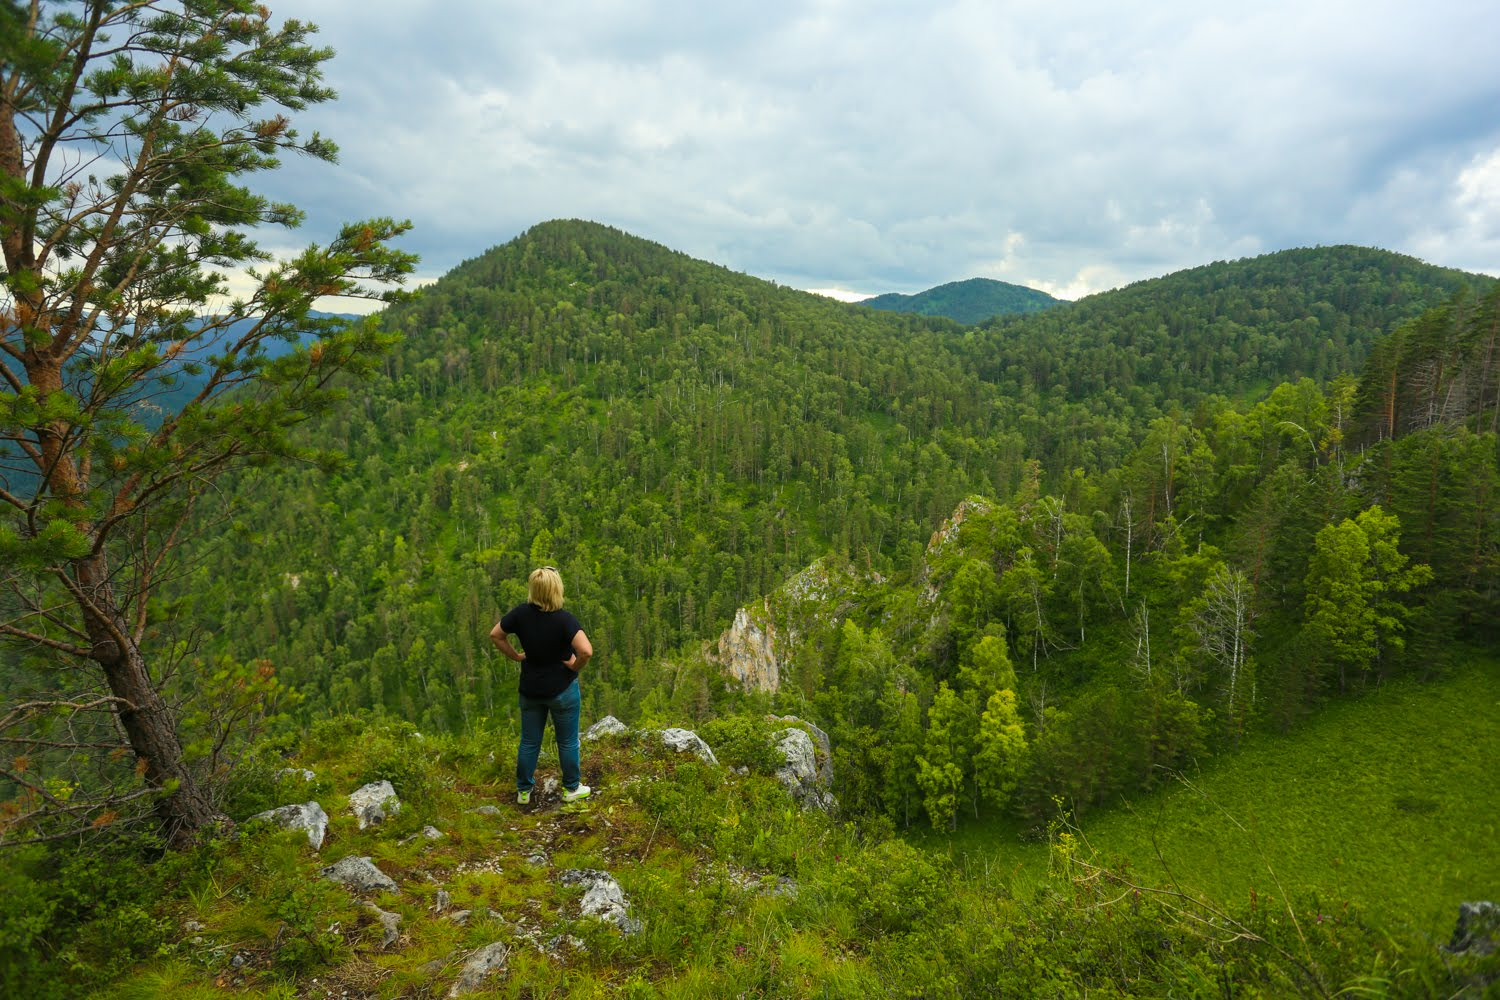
{"x": 1477, "y": 931}
{"x": 487, "y": 810}
{"x": 687, "y": 741}
{"x": 374, "y": 802}
{"x": 555, "y": 946}
{"x": 550, "y": 787}
{"x": 443, "y": 901}
{"x": 295, "y": 772}
{"x": 308, "y": 816}
{"x": 460, "y": 917}
{"x": 538, "y": 858}
{"x": 765, "y": 885}
{"x": 481, "y": 965}
{"x": 607, "y": 726}
{"x": 390, "y": 921}
{"x": 602, "y": 898}
{"x": 192, "y": 927}
{"x": 359, "y": 874}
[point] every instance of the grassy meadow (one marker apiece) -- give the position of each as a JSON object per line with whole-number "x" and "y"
{"x": 1389, "y": 802}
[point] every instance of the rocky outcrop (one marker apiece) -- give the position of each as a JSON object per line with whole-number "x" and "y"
{"x": 602, "y": 898}
{"x": 799, "y": 775}
{"x": 758, "y": 647}
{"x": 748, "y": 649}
{"x": 687, "y": 741}
{"x": 374, "y": 802}
{"x": 307, "y": 816}
{"x": 607, "y": 726}
{"x": 943, "y": 537}
{"x": 360, "y": 874}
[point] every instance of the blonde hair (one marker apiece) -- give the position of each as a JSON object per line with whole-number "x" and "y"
{"x": 544, "y": 588}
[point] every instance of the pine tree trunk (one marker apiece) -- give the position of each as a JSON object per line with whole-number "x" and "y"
{"x": 143, "y": 714}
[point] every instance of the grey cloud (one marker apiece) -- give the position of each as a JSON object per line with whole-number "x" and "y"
{"x": 892, "y": 146}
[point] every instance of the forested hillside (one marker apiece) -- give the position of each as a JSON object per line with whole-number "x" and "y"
{"x": 679, "y": 439}
{"x": 968, "y": 302}
{"x": 1019, "y": 571}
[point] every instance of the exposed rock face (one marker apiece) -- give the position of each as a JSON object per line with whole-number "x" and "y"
{"x": 603, "y": 898}
{"x": 944, "y": 536}
{"x": 801, "y": 774}
{"x": 481, "y": 965}
{"x": 687, "y": 741}
{"x": 360, "y": 874}
{"x": 607, "y": 726}
{"x": 757, "y": 649}
{"x": 748, "y": 650}
{"x": 308, "y": 816}
{"x": 374, "y": 802}
{"x": 1478, "y": 929}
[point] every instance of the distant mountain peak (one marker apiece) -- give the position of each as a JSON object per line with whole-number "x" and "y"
{"x": 970, "y": 301}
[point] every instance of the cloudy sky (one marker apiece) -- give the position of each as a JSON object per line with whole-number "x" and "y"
{"x": 866, "y": 146}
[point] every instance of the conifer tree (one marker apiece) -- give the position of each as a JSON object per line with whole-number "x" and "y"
{"x": 124, "y": 131}
{"x": 1000, "y": 753}
{"x": 941, "y": 765}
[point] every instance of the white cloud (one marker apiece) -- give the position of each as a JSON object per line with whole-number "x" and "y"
{"x": 892, "y": 146}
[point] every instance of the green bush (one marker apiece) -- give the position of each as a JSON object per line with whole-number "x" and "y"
{"x": 893, "y": 888}
{"x": 744, "y": 741}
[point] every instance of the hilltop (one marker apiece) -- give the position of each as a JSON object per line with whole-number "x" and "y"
{"x": 968, "y": 302}
{"x": 689, "y": 874}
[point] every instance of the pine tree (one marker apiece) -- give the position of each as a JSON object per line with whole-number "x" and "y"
{"x": 123, "y": 131}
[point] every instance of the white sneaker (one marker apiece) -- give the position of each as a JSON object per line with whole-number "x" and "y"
{"x": 581, "y": 792}
{"x": 523, "y": 798}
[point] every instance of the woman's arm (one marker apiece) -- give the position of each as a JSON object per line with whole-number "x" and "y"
{"x": 502, "y": 643}
{"x": 583, "y": 651}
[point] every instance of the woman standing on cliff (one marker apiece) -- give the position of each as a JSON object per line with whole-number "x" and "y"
{"x": 554, "y": 652}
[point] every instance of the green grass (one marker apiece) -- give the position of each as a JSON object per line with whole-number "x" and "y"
{"x": 1389, "y": 802}
{"x": 1393, "y": 786}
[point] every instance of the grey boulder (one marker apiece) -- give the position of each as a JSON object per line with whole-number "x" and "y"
{"x": 800, "y": 775}
{"x": 359, "y": 874}
{"x": 307, "y": 816}
{"x": 687, "y": 741}
{"x": 480, "y": 966}
{"x": 374, "y": 802}
{"x": 607, "y": 726}
{"x": 602, "y": 898}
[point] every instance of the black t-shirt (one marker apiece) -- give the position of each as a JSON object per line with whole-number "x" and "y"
{"x": 547, "y": 640}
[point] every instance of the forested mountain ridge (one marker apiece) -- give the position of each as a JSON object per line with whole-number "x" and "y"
{"x": 968, "y": 302}
{"x": 678, "y": 439}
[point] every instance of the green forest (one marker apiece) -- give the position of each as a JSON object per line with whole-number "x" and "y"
{"x": 680, "y": 440}
{"x": 1059, "y": 557}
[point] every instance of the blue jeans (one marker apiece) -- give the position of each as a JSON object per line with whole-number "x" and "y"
{"x": 564, "y": 710}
